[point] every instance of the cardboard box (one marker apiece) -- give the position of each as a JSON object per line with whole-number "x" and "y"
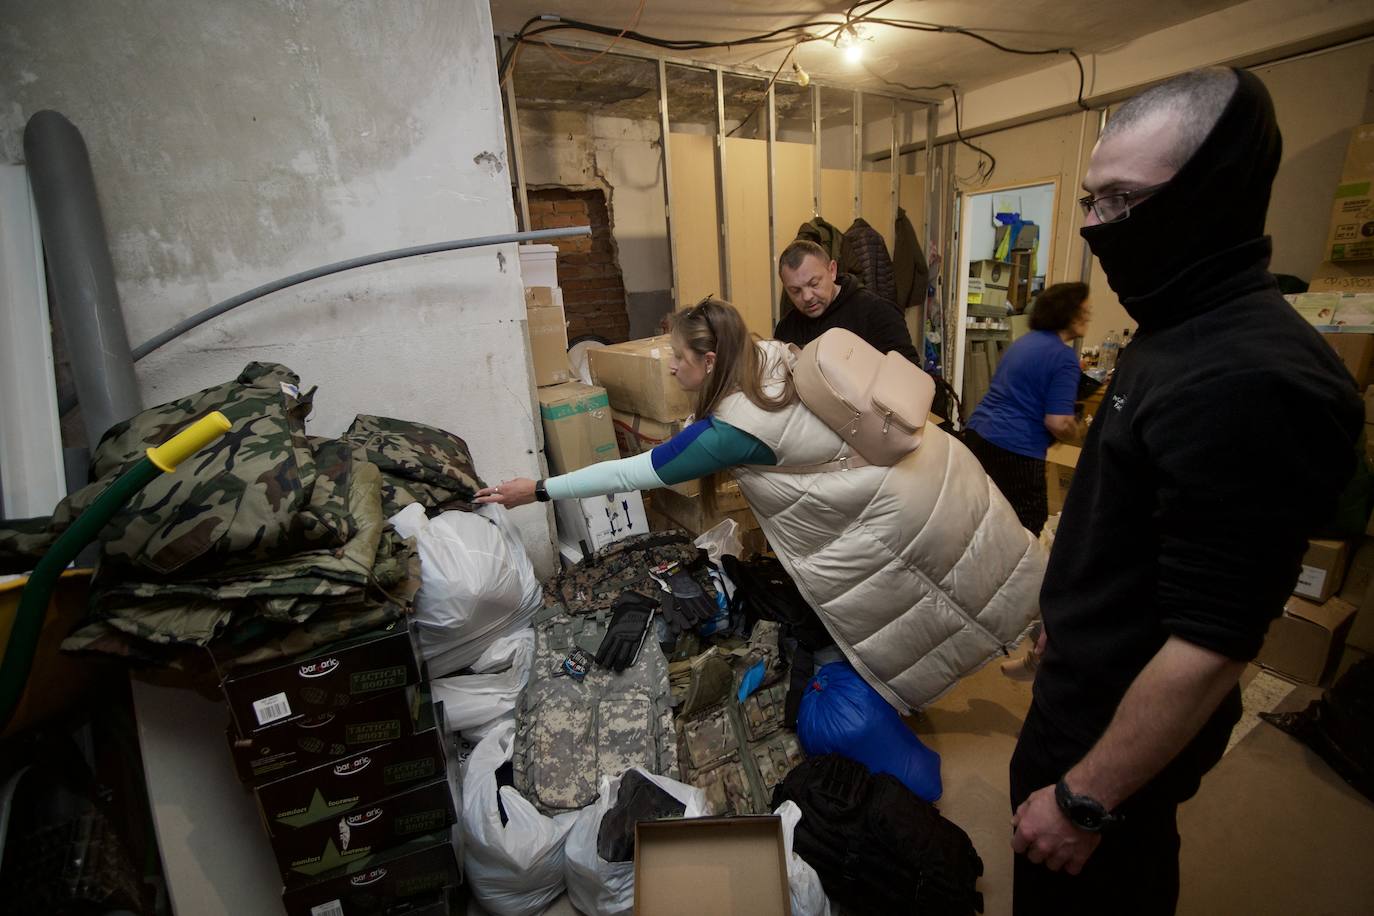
{"x": 1306, "y": 641}
{"x": 600, "y": 520}
{"x": 577, "y": 426}
{"x": 1351, "y": 236}
{"x": 548, "y": 328}
{"x": 635, "y": 435}
{"x": 326, "y": 791}
{"x": 1323, "y": 569}
{"x": 636, "y": 377}
{"x": 1027, "y": 239}
{"x": 1349, "y": 277}
{"x": 725, "y": 866}
{"x": 689, "y": 514}
{"x": 363, "y": 832}
{"x": 1060, "y": 461}
{"x": 992, "y": 273}
{"x": 1358, "y": 590}
{"x": 421, "y": 868}
{"x": 539, "y": 265}
{"x": 1357, "y": 352}
{"x": 1359, "y": 152}
{"x": 279, "y": 750}
{"x": 326, "y": 680}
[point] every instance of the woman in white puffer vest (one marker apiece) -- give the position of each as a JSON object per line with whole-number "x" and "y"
{"x": 920, "y": 571}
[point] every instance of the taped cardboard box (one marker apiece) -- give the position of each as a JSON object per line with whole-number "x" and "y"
{"x": 419, "y": 869}
{"x": 326, "y": 680}
{"x": 1323, "y": 569}
{"x": 637, "y": 379}
{"x": 725, "y": 866}
{"x": 548, "y": 327}
{"x": 577, "y": 426}
{"x": 326, "y": 791}
{"x": 1304, "y": 643}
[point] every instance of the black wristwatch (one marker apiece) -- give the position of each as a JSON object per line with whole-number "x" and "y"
{"x": 1083, "y": 812}
{"x": 539, "y": 492}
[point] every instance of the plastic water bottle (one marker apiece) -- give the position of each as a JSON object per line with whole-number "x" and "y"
{"x": 1111, "y": 346}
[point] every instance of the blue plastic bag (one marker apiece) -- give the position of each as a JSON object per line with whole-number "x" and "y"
{"x": 841, "y": 714}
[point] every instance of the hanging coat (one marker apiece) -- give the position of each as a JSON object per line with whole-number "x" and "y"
{"x": 909, "y": 264}
{"x": 865, "y": 254}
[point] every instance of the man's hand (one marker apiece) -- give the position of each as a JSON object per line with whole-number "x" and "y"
{"x": 1044, "y": 835}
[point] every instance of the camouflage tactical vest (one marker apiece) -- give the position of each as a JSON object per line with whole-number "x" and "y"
{"x": 593, "y": 585}
{"x": 569, "y": 733}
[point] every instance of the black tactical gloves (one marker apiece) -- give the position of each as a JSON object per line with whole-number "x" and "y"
{"x": 690, "y": 607}
{"x": 630, "y": 616}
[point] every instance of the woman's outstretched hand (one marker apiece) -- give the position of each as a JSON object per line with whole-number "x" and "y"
{"x": 509, "y": 493}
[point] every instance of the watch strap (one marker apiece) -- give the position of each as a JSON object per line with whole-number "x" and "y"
{"x": 540, "y": 493}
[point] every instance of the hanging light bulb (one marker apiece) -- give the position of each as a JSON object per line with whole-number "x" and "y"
{"x": 854, "y": 53}
{"x": 849, "y": 41}
{"x": 803, "y": 78}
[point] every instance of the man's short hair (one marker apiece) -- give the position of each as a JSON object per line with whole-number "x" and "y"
{"x": 1196, "y": 98}
{"x": 1057, "y": 307}
{"x": 795, "y": 253}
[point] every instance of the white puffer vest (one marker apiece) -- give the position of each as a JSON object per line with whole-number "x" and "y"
{"x": 920, "y": 571}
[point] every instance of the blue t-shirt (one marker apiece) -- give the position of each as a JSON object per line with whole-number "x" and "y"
{"x": 1038, "y": 375}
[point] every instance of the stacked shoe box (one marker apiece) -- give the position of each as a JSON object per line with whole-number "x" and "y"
{"x": 348, "y": 757}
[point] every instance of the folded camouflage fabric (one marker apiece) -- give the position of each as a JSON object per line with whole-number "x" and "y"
{"x": 419, "y": 463}
{"x": 593, "y": 586}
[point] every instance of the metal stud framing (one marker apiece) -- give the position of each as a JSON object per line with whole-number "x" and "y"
{"x": 816, "y": 151}
{"x": 772, "y": 204}
{"x": 720, "y": 187}
{"x": 517, "y": 150}
{"x": 667, "y": 173}
{"x": 858, "y": 160}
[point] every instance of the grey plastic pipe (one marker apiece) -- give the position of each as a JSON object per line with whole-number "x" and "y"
{"x": 81, "y": 272}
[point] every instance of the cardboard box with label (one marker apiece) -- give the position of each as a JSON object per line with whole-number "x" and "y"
{"x": 1357, "y": 352}
{"x": 1347, "y": 277}
{"x": 725, "y": 866}
{"x": 577, "y": 426}
{"x": 548, "y": 327}
{"x": 326, "y": 680}
{"x": 600, "y": 520}
{"x": 635, "y": 434}
{"x": 363, "y": 832}
{"x": 1323, "y": 569}
{"x": 636, "y": 377}
{"x": 1305, "y": 642}
{"x": 328, "y": 790}
{"x": 1351, "y": 236}
{"x": 307, "y": 741}
{"x": 419, "y": 869}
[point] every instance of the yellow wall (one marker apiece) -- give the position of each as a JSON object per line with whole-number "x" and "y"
{"x": 746, "y": 195}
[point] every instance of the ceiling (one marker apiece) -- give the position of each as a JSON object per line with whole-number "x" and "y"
{"x": 627, "y": 88}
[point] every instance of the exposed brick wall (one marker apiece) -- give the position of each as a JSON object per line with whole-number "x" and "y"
{"x": 588, "y": 272}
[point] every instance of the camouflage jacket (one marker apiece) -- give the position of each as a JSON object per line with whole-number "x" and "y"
{"x": 592, "y": 586}
{"x": 419, "y": 463}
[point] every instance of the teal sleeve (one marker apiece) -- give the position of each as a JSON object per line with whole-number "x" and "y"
{"x": 706, "y": 447}
{"x": 605, "y": 477}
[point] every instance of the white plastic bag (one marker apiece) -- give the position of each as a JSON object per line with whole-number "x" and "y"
{"x": 721, "y": 541}
{"x": 808, "y": 896}
{"x": 516, "y": 869}
{"x": 600, "y": 888}
{"x": 474, "y": 703}
{"x": 476, "y": 582}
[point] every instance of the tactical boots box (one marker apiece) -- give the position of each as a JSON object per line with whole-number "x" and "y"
{"x": 306, "y": 741}
{"x": 326, "y": 680}
{"x": 373, "y": 885}
{"x": 367, "y": 830}
{"x": 328, "y": 790}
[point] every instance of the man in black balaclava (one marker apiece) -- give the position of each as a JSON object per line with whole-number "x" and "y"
{"x": 1224, "y": 440}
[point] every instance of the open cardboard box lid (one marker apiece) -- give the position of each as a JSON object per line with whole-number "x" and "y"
{"x": 724, "y": 866}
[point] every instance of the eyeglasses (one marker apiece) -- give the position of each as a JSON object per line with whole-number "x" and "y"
{"x": 1112, "y": 208}
{"x": 701, "y": 313}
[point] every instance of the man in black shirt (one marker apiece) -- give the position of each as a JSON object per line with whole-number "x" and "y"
{"x": 1225, "y": 437}
{"x": 822, "y": 301}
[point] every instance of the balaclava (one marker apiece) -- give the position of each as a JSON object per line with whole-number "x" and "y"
{"x": 1218, "y": 200}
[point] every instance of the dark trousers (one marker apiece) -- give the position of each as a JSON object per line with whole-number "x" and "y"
{"x": 1134, "y": 870}
{"x": 1020, "y": 478}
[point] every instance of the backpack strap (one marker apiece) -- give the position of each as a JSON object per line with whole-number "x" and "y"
{"x": 847, "y": 463}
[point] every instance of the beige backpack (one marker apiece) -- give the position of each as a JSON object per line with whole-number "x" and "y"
{"x": 878, "y": 403}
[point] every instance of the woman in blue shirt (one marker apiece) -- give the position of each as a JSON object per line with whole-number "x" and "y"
{"x": 1030, "y": 402}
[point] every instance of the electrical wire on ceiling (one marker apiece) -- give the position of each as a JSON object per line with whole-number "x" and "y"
{"x": 753, "y": 111}
{"x": 795, "y": 35}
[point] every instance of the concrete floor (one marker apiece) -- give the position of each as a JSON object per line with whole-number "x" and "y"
{"x": 1273, "y": 830}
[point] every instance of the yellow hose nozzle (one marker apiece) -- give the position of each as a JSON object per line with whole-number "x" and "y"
{"x": 189, "y": 441}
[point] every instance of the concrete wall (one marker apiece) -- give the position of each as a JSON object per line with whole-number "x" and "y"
{"x": 623, "y": 158}
{"x": 235, "y": 143}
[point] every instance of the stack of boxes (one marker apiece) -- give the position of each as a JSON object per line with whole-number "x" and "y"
{"x": 648, "y": 408}
{"x": 348, "y": 757}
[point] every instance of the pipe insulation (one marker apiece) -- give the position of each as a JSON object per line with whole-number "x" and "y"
{"x": 80, "y": 272}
